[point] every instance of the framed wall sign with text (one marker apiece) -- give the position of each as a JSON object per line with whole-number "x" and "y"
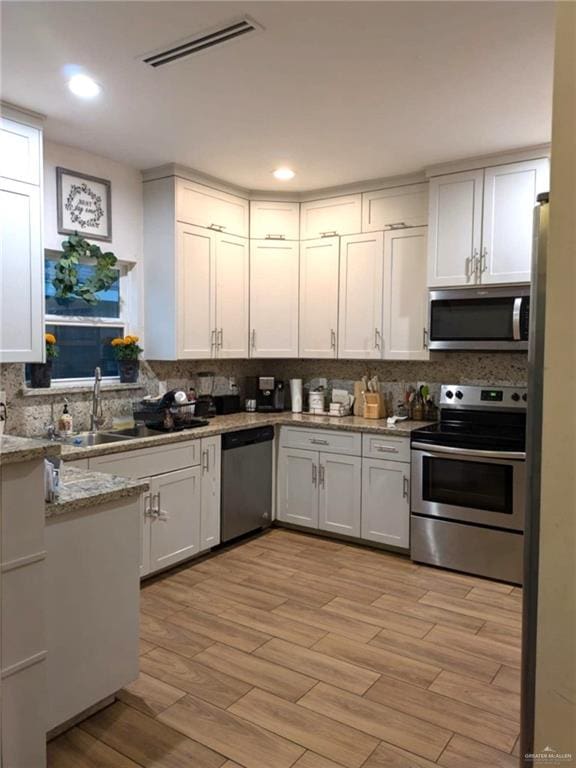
{"x": 84, "y": 205}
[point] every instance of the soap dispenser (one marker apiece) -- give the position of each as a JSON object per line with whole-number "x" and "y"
{"x": 65, "y": 423}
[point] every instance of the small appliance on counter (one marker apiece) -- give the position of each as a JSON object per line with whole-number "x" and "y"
{"x": 227, "y": 404}
{"x": 269, "y": 393}
{"x": 205, "y": 405}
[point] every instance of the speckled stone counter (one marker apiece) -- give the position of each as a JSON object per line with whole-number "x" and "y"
{"x": 82, "y": 488}
{"x": 235, "y": 421}
{"x": 15, "y": 449}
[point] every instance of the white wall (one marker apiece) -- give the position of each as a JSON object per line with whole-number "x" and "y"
{"x": 127, "y": 207}
{"x": 555, "y": 709}
{"x": 127, "y": 213}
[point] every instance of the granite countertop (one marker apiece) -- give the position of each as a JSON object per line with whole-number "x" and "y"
{"x": 14, "y": 449}
{"x": 235, "y": 421}
{"x": 82, "y": 488}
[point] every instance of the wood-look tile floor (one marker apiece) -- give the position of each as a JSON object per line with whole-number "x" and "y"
{"x": 292, "y": 650}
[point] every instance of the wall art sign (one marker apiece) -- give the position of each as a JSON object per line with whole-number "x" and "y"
{"x": 84, "y": 205}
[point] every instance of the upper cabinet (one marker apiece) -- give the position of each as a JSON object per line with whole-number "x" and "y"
{"x": 273, "y": 298}
{"x": 319, "y": 269}
{"x": 481, "y": 224}
{"x": 210, "y": 208}
{"x": 510, "y": 193}
{"x": 361, "y": 296}
{"x": 395, "y": 208}
{"x": 21, "y": 252}
{"x": 405, "y": 295}
{"x": 334, "y": 216}
{"x": 274, "y": 220}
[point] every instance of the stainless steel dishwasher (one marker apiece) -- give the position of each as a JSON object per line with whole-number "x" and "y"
{"x": 246, "y": 481}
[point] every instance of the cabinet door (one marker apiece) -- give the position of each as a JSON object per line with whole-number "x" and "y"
{"x": 361, "y": 290}
{"x": 21, "y": 274}
{"x": 298, "y": 487}
{"x": 319, "y": 265}
{"x": 397, "y": 207}
{"x": 210, "y": 502}
{"x": 340, "y": 483}
{"x": 211, "y": 208}
{"x": 20, "y": 151}
{"x": 145, "y": 527}
{"x": 510, "y": 193}
{"x": 385, "y": 502}
{"x": 232, "y": 296}
{"x": 455, "y": 228}
{"x": 334, "y": 216}
{"x": 405, "y": 294}
{"x": 175, "y": 520}
{"x": 196, "y": 291}
{"x": 274, "y": 219}
{"x": 273, "y": 299}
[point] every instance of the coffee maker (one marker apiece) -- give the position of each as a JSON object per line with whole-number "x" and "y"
{"x": 269, "y": 393}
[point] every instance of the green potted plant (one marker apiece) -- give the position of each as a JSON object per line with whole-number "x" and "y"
{"x": 126, "y": 350}
{"x": 41, "y": 373}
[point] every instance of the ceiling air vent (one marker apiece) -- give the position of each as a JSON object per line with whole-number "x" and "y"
{"x": 202, "y": 41}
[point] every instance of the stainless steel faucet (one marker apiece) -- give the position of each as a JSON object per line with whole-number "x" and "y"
{"x": 96, "y": 415}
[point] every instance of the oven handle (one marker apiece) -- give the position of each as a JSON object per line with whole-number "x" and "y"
{"x": 518, "y": 455}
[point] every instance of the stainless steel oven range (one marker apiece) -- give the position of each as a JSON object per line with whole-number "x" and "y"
{"x": 468, "y": 483}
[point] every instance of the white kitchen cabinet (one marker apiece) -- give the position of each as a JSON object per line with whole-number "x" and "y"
{"x": 339, "y": 482}
{"x": 319, "y": 269}
{"x": 397, "y": 207}
{"x": 21, "y": 253}
{"x": 361, "y": 295}
{"x": 510, "y": 193}
{"x": 332, "y": 216}
{"x": 405, "y": 294}
{"x": 174, "y": 517}
{"x": 232, "y": 296}
{"x": 273, "y": 298}
{"x": 210, "y": 490}
{"x": 274, "y": 219}
{"x": 455, "y": 228}
{"x": 386, "y": 502}
{"x": 211, "y": 208}
{"x": 212, "y": 294}
{"x": 298, "y": 487}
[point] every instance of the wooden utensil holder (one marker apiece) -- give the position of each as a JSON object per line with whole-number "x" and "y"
{"x": 372, "y": 405}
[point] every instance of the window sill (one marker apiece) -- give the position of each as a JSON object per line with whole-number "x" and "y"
{"x": 59, "y": 390}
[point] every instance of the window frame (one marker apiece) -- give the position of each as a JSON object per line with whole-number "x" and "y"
{"x": 122, "y": 321}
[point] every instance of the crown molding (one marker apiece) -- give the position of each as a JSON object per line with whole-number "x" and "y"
{"x": 484, "y": 161}
{"x": 14, "y": 112}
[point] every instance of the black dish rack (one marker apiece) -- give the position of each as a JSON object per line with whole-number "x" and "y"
{"x": 167, "y": 416}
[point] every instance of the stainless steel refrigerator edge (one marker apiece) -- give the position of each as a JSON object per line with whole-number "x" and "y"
{"x": 533, "y": 466}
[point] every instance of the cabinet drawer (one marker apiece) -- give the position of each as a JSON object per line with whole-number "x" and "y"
{"x": 149, "y": 462}
{"x": 208, "y": 207}
{"x": 325, "y": 440}
{"x": 386, "y": 447}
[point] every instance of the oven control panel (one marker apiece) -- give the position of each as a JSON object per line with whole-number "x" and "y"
{"x": 461, "y": 396}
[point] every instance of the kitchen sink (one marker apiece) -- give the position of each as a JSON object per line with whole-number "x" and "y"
{"x": 132, "y": 433}
{"x": 83, "y": 439}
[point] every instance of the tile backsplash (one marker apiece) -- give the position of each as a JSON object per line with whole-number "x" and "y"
{"x": 29, "y": 414}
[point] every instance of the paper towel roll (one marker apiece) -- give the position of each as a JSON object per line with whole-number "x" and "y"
{"x": 296, "y": 395}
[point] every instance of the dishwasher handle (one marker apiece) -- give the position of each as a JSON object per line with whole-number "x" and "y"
{"x": 245, "y": 437}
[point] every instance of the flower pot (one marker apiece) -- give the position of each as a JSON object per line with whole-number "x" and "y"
{"x": 40, "y": 375}
{"x": 128, "y": 370}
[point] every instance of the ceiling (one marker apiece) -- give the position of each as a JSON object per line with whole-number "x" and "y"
{"x": 340, "y": 91}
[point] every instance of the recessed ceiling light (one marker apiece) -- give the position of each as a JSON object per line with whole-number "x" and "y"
{"x": 83, "y": 86}
{"x": 283, "y": 174}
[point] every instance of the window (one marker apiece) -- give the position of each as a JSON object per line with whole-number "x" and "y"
{"x": 83, "y": 332}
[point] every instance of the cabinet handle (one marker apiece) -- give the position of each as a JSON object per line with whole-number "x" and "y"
{"x": 205, "y": 461}
{"x": 217, "y": 227}
{"x": 321, "y": 482}
{"x": 405, "y": 487}
{"x": 148, "y": 505}
{"x": 386, "y": 449}
{"x": 314, "y": 475}
{"x": 476, "y": 260}
{"x": 275, "y": 237}
{"x": 425, "y": 338}
{"x": 253, "y": 338}
{"x": 377, "y": 338}
{"x": 332, "y": 338}
{"x": 397, "y": 225}
{"x": 484, "y": 260}
{"x": 220, "y": 338}
{"x": 213, "y": 339}
{"x": 155, "y": 505}
{"x": 317, "y": 441}
{"x": 331, "y": 233}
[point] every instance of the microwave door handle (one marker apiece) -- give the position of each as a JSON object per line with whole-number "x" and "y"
{"x": 479, "y": 454}
{"x": 516, "y": 311}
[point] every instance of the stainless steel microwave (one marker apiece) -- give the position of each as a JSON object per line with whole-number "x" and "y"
{"x": 479, "y": 318}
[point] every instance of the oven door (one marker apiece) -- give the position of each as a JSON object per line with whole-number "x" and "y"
{"x": 481, "y": 487}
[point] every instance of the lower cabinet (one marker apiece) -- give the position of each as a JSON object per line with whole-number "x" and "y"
{"x": 386, "y": 502}
{"x": 319, "y": 490}
{"x": 180, "y": 514}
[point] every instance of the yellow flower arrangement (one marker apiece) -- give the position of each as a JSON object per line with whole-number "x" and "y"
{"x": 51, "y": 349}
{"x": 126, "y": 348}
{"x": 50, "y": 338}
